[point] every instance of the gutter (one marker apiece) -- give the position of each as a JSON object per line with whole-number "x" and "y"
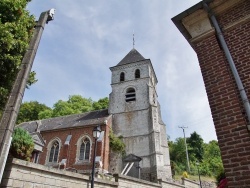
{"x": 230, "y": 60}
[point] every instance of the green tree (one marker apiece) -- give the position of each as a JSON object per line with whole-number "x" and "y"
{"x": 29, "y": 111}
{"x": 177, "y": 151}
{"x": 101, "y": 104}
{"x": 45, "y": 114}
{"x": 22, "y": 144}
{"x": 195, "y": 147}
{"x": 16, "y": 28}
{"x": 74, "y": 105}
{"x": 212, "y": 157}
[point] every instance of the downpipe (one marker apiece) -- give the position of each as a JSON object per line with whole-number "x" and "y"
{"x": 230, "y": 61}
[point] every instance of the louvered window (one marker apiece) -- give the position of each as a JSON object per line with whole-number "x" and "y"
{"x": 130, "y": 95}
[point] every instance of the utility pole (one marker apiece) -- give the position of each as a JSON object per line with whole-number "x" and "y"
{"x": 12, "y": 106}
{"x": 188, "y": 166}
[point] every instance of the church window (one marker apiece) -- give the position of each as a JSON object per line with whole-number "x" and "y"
{"x": 130, "y": 95}
{"x": 54, "y": 151}
{"x": 122, "y": 76}
{"x": 83, "y": 152}
{"x": 85, "y": 149}
{"x": 137, "y": 73}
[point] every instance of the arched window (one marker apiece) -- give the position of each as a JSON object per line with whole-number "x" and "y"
{"x": 130, "y": 95}
{"x": 54, "y": 151}
{"x": 137, "y": 73}
{"x": 83, "y": 152}
{"x": 122, "y": 76}
{"x": 84, "y": 149}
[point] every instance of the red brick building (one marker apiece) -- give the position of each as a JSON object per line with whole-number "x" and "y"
{"x": 69, "y": 142}
{"x": 219, "y": 32}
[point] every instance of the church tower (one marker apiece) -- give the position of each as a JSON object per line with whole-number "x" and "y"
{"x": 137, "y": 117}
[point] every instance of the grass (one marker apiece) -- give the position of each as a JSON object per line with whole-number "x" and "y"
{"x": 196, "y": 178}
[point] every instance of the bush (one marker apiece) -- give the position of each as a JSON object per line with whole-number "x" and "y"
{"x": 22, "y": 144}
{"x": 116, "y": 143}
{"x": 185, "y": 174}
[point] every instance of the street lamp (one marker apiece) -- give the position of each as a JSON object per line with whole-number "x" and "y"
{"x": 199, "y": 173}
{"x": 12, "y": 106}
{"x": 96, "y": 134}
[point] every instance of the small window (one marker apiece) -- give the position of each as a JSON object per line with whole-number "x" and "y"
{"x": 137, "y": 73}
{"x": 85, "y": 149}
{"x": 122, "y": 76}
{"x": 53, "y": 156}
{"x": 130, "y": 95}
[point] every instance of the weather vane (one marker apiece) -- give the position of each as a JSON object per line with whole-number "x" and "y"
{"x": 133, "y": 40}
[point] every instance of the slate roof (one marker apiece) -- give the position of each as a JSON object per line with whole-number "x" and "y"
{"x": 70, "y": 121}
{"x": 131, "y": 57}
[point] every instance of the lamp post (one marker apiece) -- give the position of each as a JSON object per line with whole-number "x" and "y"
{"x": 8, "y": 120}
{"x": 199, "y": 173}
{"x": 96, "y": 133}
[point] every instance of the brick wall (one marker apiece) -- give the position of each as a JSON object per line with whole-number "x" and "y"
{"x": 69, "y": 152}
{"x": 226, "y": 105}
{"x": 224, "y": 99}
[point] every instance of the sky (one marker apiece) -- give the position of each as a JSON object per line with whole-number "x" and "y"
{"x": 87, "y": 37}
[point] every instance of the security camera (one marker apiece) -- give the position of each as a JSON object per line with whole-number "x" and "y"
{"x": 51, "y": 13}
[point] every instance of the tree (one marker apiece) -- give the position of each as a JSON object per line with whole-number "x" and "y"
{"x": 212, "y": 157}
{"x": 22, "y": 144}
{"x": 33, "y": 110}
{"x": 101, "y": 104}
{"x": 195, "y": 149}
{"x": 208, "y": 156}
{"x": 29, "y": 111}
{"x": 16, "y": 28}
{"x": 74, "y": 105}
{"x": 178, "y": 151}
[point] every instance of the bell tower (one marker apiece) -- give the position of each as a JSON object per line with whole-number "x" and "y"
{"x": 137, "y": 117}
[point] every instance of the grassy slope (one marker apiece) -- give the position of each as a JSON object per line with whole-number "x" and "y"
{"x": 196, "y": 178}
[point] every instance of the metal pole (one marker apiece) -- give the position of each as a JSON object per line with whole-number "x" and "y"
{"x": 188, "y": 166}
{"x": 11, "y": 110}
{"x": 93, "y": 166}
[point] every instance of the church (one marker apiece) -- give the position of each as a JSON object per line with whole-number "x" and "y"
{"x": 133, "y": 114}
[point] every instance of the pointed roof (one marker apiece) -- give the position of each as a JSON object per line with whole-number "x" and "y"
{"x": 132, "y": 56}
{"x": 132, "y": 158}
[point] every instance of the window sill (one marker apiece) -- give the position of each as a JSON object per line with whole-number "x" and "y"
{"x": 82, "y": 162}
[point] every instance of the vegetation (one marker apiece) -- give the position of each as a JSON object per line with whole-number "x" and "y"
{"x": 207, "y": 154}
{"x": 22, "y": 144}
{"x": 116, "y": 144}
{"x": 33, "y": 110}
{"x": 16, "y": 28}
{"x": 29, "y": 111}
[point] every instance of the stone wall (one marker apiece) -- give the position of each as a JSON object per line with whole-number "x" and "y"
{"x": 23, "y": 174}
